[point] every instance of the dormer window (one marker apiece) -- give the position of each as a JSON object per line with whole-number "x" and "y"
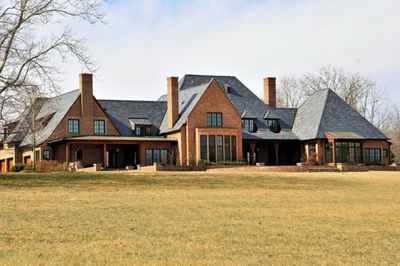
{"x": 142, "y": 130}
{"x": 274, "y": 125}
{"x": 249, "y": 125}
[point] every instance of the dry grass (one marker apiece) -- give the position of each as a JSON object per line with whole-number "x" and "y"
{"x": 197, "y": 218}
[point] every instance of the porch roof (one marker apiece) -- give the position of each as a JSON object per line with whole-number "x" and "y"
{"x": 343, "y": 135}
{"x": 115, "y": 138}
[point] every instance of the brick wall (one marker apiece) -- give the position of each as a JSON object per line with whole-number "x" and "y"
{"x": 213, "y": 100}
{"x": 381, "y": 144}
{"x": 75, "y": 113}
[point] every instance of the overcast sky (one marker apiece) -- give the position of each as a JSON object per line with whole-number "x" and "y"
{"x": 146, "y": 41}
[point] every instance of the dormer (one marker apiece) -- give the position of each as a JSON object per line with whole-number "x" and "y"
{"x": 272, "y": 121}
{"x": 249, "y": 121}
{"x": 141, "y": 126}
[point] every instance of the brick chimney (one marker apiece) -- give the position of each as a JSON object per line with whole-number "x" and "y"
{"x": 172, "y": 101}
{"x": 270, "y": 91}
{"x": 87, "y": 102}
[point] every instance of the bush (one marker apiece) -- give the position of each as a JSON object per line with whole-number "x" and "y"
{"x": 28, "y": 167}
{"x": 18, "y": 167}
{"x": 51, "y": 166}
{"x": 392, "y": 157}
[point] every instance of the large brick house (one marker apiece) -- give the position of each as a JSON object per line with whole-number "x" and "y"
{"x": 201, "y": 118}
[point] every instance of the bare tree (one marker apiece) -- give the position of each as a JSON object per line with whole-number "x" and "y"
{"x": 29, "y": 51}
{"x": 291, "y": 94}
{"x": 357, "y": 90}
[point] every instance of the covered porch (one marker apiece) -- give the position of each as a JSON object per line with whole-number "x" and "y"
{"x": 113, "y": 152}
{"x": 268, "y": 152}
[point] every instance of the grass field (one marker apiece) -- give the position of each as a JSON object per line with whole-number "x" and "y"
{"x": 197, "y": 218}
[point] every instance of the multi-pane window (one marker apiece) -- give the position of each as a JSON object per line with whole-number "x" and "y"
{"x": 220, "y": 148}
{"x": 211, "y": 147}
{"x": 99, "y": 127}
{"x": 203, "y": 147}
{"x": 249, "y": 125}
{"x": 372, "y": 155}
{"x": 328, "y": 152}
{"x": 233, "y": 144}
{"x": 214, "y": 119}
{"x": 227, "y": 148}
{"x": 274, "y": 125}
{"x": 46, "y": 155}
{"x": 143, "y": 130}
{"x": 156, "y": 156}
{"x": 348, "y": 152}
{"x": 73, "y": 126}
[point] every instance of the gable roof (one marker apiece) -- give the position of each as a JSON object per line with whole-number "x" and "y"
{"x": 122, "y": 113}
{"x": 188, "y": 99}
{"x": 324, "y": 111}
{"x": 246, "y": 103}
{"x": 55, "y": 109}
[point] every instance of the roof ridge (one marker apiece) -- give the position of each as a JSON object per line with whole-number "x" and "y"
{"x": 204, "y": 75}
{"x": 117, "y": 100}
{"x": 323, "y": 111}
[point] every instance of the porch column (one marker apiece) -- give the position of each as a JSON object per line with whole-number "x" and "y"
{"x": 252, "y": 155}
{"x": 276, "y": 146}
{"x": 333, "y": 152}
{"x": 104, "y": 156}
{"x": 67, "y": 152}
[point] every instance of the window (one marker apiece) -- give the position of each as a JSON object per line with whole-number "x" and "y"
{"x": 143, "y": 130}
{"x": 156, "y": 156}
{"x": 328, "y": 152}
{"x": 99, "y": 127}
{"x": 220, "y": 148}
{"x": 249, "y": 125}
{"x": 274, "y": 125}
{"x": 372, "y": 155}
{"x": 348, "y": 152}
{"x": 211, "y": 148}
{"x": 164, "y": 156}
{"x": 203, "y": 147}
{"x": 385, "y": 153}
{"x": 216, "y": 147}
{"x": 214, "y": 119}
{"x": 73, "y": 126}
{"x": 311, "y": 149}
{"x": 46, "y": 155}
{"x": 37, "y": 155}
{"x": 233, "y": 148}
{"x": 227, "y": 148}
{"x": 79, "y": 155}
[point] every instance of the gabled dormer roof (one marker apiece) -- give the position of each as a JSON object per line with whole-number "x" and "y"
{"x": 324, "y": 111}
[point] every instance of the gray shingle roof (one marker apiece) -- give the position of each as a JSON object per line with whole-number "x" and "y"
{"x": 244, "y": 100}
{"x": 324, "y": 111}
{"x": 188, "y": 99}
{"x": 55, "y": 108}
{"x": 121, "y": 111}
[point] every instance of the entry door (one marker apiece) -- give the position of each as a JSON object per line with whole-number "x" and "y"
{"x": 112, "y": 159}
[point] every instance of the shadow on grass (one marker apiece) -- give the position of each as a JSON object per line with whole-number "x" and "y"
{"x": 172, "y": 181}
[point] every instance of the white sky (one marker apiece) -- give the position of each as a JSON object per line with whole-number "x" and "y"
{"x": 146, "y": 41}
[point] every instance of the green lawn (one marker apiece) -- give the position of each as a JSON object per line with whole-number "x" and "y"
{"x": 198, "y": 218}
